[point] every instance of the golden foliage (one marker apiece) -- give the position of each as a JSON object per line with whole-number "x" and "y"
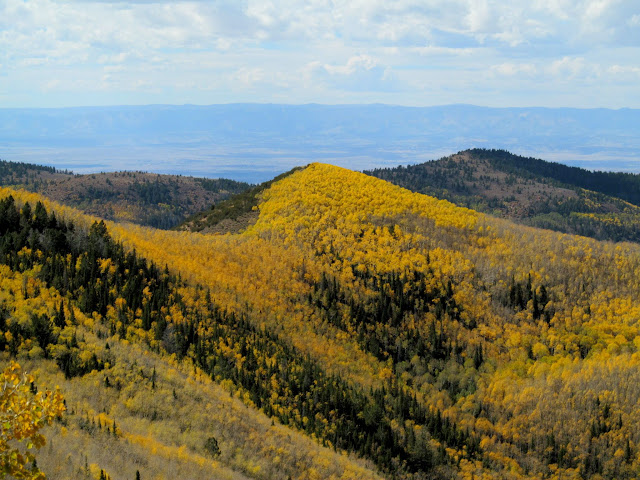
{"x": 22, "y": 415}
{"x": 552, "y": 393}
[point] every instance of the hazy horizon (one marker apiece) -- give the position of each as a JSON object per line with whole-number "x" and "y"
{"x": 254, "y": 142}
{"x": 110, "y": 62}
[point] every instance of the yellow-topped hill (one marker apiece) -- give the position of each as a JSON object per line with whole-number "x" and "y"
{"x": 464, "y": 345}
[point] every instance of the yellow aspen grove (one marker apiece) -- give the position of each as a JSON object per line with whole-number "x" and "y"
{"x": 354, "y": 329}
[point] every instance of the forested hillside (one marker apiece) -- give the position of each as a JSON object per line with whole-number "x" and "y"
{"x": 602, "y": 205}
{"x": 79, "y": 311}
{"x": 29, "y": 175}
{"x": 233, "y": 214}
{"x": 160, "y": 201}
{"x": 354, "y": 330}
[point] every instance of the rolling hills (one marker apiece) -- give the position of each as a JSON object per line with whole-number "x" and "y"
{"x": 602, "y": 205}
{"x": 354, "y": 329}
{"x": 160, "y": 201}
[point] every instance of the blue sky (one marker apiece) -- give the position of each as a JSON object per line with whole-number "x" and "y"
{"x": 575, "y": 53}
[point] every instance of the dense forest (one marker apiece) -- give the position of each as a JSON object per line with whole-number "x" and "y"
{"x": 602, "y": 205}
{"x": 353, "y": 329}
{"x": 89, "y": 278}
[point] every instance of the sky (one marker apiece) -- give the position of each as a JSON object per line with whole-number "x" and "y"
{"x": 569, "y": 53}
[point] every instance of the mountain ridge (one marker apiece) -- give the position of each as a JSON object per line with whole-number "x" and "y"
{"x": 532, "y": 191}
{"x": 151, "y": 199}
{"x": 426, "y": 339}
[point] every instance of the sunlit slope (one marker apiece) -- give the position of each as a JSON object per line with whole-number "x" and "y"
{"x": 232, "y": 215}
{"x": 105, "y": 325}
{"x": 427, "y": 338}
{"x": 523, "y": 337}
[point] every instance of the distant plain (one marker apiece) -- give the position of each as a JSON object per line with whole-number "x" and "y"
{"x": 255, "y": 142}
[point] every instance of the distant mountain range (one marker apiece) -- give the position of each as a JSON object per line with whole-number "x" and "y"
{"x": 255, "y": 142}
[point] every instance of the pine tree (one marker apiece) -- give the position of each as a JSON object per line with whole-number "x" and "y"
{"x": 72, "y": 316}
{"x": 60, "y": 318}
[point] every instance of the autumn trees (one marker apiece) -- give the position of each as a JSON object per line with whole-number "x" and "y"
{"x": 429, "y": 340}
{"x": 23, "y": 413}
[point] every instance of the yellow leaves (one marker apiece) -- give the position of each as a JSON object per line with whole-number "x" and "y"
{"x": 120, "y": 303}
{"x": 146, "y": 293}
{"x": 329, "y": 221}
{"x": 386, "y": 374}
{"x": 172, "y": 452}
{"x": 94, "y": 470}
{"x": 104, "y": 264}
{"x": 539, "y": 350}
{"x": 22, "y": 415}
{"x": 322, "y": 196}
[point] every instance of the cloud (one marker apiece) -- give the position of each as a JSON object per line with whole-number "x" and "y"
{"x": 249, "y": 76}
{"x": 432, "y": 50}
{"x": 359, "y": 73}
{"x": 511, "y": 69}
{"x": 624, "y": 74}
{"x": 357, "y": 64}
{"x": 616, "y": 69}
{"x": 568, "y": 67}
{"x": 253, "y": 49}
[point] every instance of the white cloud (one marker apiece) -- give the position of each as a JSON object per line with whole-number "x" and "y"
{"x": 249, "y": 76}
{"x": 358, "y": 73}
{"x": 360, "y": 63}
{"x": 113, "y": 68}
{"x": 615, "y": 69}
{"x": 511, "y": 69}
{"x": 52, "y": 84}
{"x": 117, "y": 58}
{"x": 624, "y": 74}
{"x": 319, "y": 49}
{"x": 479, "y": 17}
{"x": 34, "y": 61}
{"x": 432, "y": 50}
{"x": 568, "y": 66}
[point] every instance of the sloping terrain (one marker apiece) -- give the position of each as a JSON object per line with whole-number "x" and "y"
{"x": 517, "y": 337}
{"x": 425, "y": 339}
{"x": 160, "y": 201}
{"x": 28, "y": 175}
{"x": 231, "y": 215}
{"x": 80, "y": 312}
{"x": 602, "y": 205}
